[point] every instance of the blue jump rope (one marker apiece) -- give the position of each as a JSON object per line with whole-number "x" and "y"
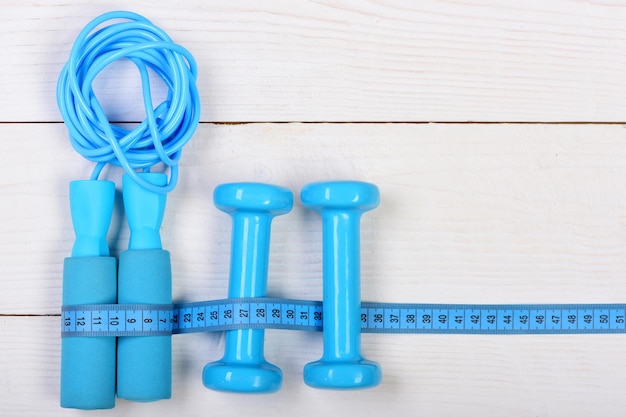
{"x": 93, "y": 370}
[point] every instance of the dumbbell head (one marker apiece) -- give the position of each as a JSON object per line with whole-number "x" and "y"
{"x": 253, "y": 197}
{"x": 340, "y": 195}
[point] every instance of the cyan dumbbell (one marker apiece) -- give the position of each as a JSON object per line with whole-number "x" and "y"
{"x": 252, "y": 206}
{"x": 89, "y": 277}
{"x": 144, "y": 363}
{"x": 341, "y": 205}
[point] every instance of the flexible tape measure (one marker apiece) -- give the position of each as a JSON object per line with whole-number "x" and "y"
{"x": 203, "y": 316}
{"x": 280, "y": 313}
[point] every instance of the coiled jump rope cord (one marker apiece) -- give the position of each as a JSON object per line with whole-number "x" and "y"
{"x": 167, "y": 127}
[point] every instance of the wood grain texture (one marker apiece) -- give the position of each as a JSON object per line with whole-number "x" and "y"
{"x": 430, "y": 375}
{"x": 432, "y": 60}
{"x": 470, "y": 213}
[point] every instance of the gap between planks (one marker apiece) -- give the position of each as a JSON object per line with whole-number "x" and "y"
{"x": 419, "y": 122}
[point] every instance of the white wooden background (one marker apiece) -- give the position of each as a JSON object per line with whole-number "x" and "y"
{"x": 494, "y": 129}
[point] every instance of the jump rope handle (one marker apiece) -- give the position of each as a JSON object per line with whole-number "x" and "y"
{"x": 341, "y": 204}
{"x": 252, "y": 207}
{"x": 144, "y": 363}
{"x": 89, "y": 277}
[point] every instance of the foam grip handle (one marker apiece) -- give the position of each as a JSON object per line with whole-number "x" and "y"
{"x": 144, "y": 363}
{"x": 88, "y": 363}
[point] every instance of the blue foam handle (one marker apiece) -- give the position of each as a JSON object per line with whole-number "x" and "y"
{"x": 88, "y": 363}
{"x": 89, "y": 277}
{"x": 144, "y": 363}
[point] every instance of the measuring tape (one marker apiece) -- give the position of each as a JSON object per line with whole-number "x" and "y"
{"x": 280, "y": 313}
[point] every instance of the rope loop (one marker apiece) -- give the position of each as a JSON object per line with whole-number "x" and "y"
{"x": 168, "y": 126}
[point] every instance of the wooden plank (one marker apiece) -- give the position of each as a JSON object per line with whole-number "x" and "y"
{"x": 423, "y": 375}
{"x": 430, "y": 60}
{"x": 469, "y": 213}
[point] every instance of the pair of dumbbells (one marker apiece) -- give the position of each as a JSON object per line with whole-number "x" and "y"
{"x": 94, "y": 370}
{"x": 252, "y": 207}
